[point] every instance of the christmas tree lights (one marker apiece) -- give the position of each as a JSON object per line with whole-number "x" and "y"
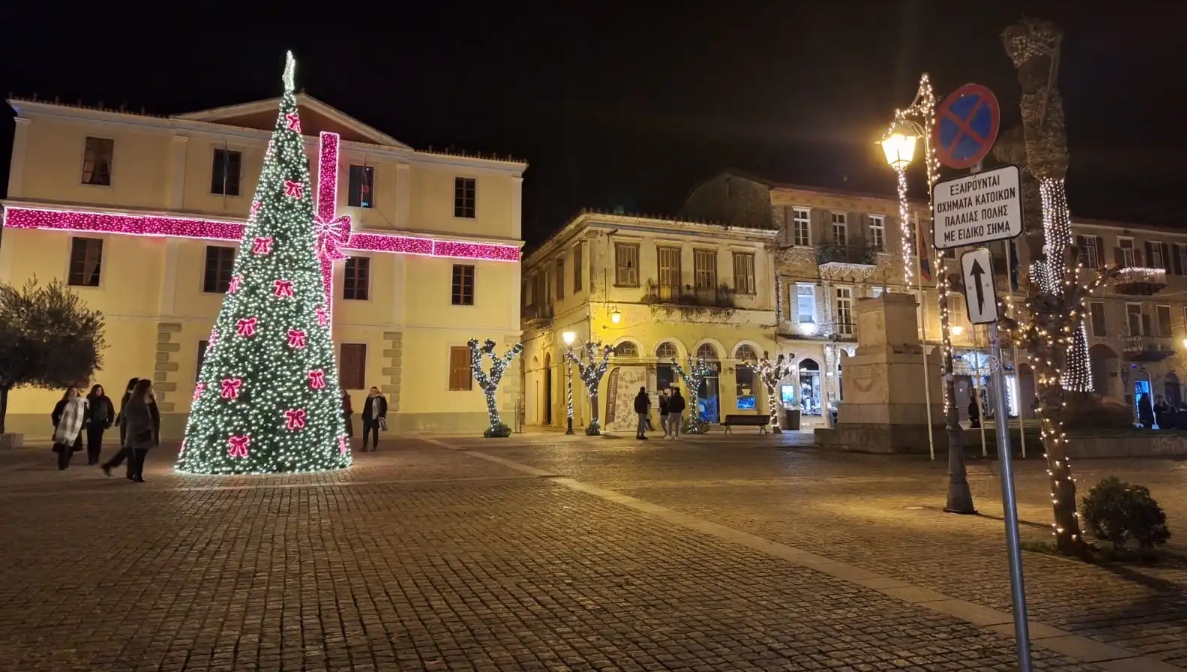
{"x": 254, "y": 409}
{"x": 591, "y": 370}
{"x": 490, "y": 382}
{"x": 698, "y": 370}
{"x": 771, "y": 373}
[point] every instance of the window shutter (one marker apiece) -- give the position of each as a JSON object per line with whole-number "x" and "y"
{"x": 1118, "y": 258}
{"x": 1081, "y": 242}
{"x": 1177, "y": 259}
{"x": 1146, "y": 331}
{"x": 1166, "y": 258}
{"x": 1149, "y": 254}
{"x": 1100, "y": 252}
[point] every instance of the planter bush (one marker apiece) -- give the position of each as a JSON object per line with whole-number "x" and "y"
{"x": 499, "y": 431}
{"x": 1116, "y": 511}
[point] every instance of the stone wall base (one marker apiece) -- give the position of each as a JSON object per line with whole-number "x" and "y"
{"x": 883, "y": 439}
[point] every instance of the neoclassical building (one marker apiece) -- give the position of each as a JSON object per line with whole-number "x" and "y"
{"x": 654, "y": 290}
{"x": 140, "y": 215}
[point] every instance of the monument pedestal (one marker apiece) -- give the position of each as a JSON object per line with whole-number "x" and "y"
{"x": 885, "y": 404}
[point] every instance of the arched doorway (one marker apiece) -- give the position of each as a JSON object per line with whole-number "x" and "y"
{"x": 810, "y": 389}
{"x": 708, "y": 403}
{"x": 1101, "y": 363}
{"x": 548, "y": 389}
{"x": 1174, "y": 392}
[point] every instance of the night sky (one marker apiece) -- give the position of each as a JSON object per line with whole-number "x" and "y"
{"x": 629, "y": 105}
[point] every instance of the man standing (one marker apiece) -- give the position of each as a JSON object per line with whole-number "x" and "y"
{"x": 374, "y": 417}
{"x": 676, "y": 407}
{"x": 643, "y": 409}
{"x": 663, "y": 410}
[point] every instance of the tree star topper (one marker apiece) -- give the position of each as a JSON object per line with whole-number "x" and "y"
{"x": 290, "y": 72}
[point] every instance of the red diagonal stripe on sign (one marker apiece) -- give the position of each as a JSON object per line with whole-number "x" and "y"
{"x": 962, "y": 125}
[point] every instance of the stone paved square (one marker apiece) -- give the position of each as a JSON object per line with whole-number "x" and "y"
{"x": 423, "y": 558}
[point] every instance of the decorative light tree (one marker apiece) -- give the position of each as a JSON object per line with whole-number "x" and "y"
{"x": 490, "y": 382}
{"x": 698, "y": 371}
{"x": 267, "y": 398}
{"x": 591, "y": 370}
{"x": 771, "y": 373}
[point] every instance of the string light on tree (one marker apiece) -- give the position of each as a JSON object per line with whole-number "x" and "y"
{"x": 254, "y": 411}
{"x": 771, "y": 373}
{"x": 591, "y": 369}
{"x": 698, "y": 370}
{"x": 490, "y": 382}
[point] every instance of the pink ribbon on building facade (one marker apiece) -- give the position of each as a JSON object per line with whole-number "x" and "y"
{"x": 333, "y": 231}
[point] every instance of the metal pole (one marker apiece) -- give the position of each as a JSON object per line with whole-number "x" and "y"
{"x": 1010, "y": 504}
{"x": 1014, "y": 351}
{"x": 931, "y": 439}
{"x": 569, "y": 396}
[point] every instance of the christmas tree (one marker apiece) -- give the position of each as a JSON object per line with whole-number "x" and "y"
{"x": 267, "y": 399}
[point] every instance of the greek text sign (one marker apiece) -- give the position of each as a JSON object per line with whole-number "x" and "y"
{"x": 978, "y": 208}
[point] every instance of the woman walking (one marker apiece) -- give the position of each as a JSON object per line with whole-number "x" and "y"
{"x": 102, "y": 416}
{"x": 119, "y": 419}
{"x": 125, "y": 451}
{"x": 347, "y": 411}
{"x": 69, "y": 416}
{"x": 143, "y": 426}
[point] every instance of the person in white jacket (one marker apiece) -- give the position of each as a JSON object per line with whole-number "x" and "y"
{"x": 69, "y": 416}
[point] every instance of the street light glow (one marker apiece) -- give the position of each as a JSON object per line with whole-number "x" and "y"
{"x": 615, "y": 316}
{"x": 957, "y": 330}
{"x": 569, "y": 337}
{"x": 899, "y": 145}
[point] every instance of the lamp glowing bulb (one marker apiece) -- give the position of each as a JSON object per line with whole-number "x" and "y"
{"x": 615, "y": 316}
{"x": 899, "y": 145}
{"x": 957, "y": 330}
{"x": 569, "y": 337}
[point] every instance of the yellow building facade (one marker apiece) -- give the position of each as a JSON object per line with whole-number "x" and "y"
{"x": 139, "y": 215}
{"x": 652, "y": 289}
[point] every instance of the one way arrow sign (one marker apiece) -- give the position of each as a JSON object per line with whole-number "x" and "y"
{"x": 979, "y": 294}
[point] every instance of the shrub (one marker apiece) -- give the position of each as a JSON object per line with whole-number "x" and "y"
{"x": 694, "y": 425}
{"x": 499, "y": 431}
{"x": 1116, "y": 511}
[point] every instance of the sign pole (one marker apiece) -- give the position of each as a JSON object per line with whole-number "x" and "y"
{"x": 1010, "y": 503}
{"x": 931, "y": 441}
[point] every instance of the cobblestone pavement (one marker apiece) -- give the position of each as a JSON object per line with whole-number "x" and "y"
{"x": 420, "y": 558}
{"x": 885, "y": 514}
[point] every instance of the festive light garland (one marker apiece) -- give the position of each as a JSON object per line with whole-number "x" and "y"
{"x": 254, "y": 411}
{"x": 698, "y": 371}
{"x": 904, "y": 219}
{"x": 591, "y": 370}
{"x": 771, "y": 373}
{"x": 490, "y": 382}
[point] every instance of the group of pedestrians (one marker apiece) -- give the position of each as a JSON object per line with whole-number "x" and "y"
{"x": 138, "y": 419}
{"x": 671, "y": 412}
{"x": 374, "y": 417}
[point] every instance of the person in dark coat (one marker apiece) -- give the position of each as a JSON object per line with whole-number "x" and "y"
{"x": 643, "y": 409}
{"x": 143, "y": 422}
{"x": 676, "y": 406}
{"x": 374, "y": 416}
{"x": 126, "y": 452}
{"x": 119, "y": 418}
{"x": 102, "y": 416}
{"x": 663, "y": 411}
{"x": 1145, "y": 411}
{"x": 347, "y": 411}
{"x": 69, "y": 417}
{"x": 974, "y": 414}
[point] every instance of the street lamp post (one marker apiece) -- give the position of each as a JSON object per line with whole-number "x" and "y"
{"x": 899, "y": 147}
{"x": 569, "y": 337}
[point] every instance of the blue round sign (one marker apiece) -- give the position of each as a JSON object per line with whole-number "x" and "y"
{"x": 966, "y": 126}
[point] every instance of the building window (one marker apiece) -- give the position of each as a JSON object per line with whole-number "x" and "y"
{"x": 1180, "y": 259}
{"x": 577, "y": 268}
{"x": 806, "y": 303}
{"x": 461, "y": 376}
{"x": 801, "y": 227}
{"x": 704, "y": 267}
{"x": 86, "y": 260}
{"x": 668, "y": 259}
{"x": 96, "y": 161}
{"x": 1090, "y": 247}
{"x": 840, "y": 228}
{"x": 666, "y": 350}
{"x": 220, "y": 261}
{"x": 202, "y": 345}
{"x": 744, "y": 273}
{"x": 878, "y": 233}
{"x": 1164, "y": 320}
{"x": 224, "y": 172}
{"x": 1156, "y": 258}
{"x": 626, "y": 264}
{"x": 1127, "y": 259}
{"x": 463, "y": 285}
{"x": 745, "y": 353}
{"x": 356, "y": 281}
{"x": 1098, "y": 323}
{"x": 463, "y": 197}
{"x": 560, "y": 278}
{"x": 707, "y": 352}
{"x": 352, "y": 366}
{"x": 844, "y": 311}
{"x": 626, "y": 349}
{"x": 362, "y": 187}
{"x": 1133, "y": 318}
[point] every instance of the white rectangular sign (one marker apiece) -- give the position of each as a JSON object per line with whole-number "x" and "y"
{"x": 979, "y": 293}
{"x": 978, "y": 208}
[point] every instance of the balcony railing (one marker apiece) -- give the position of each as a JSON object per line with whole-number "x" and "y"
{"x": 1140, "y": 281}
{"x": 721, "y": 296}
{"x": 536, "y": 313}
{"x": 1146, "y": 348}
{"x": 850, "y": 255}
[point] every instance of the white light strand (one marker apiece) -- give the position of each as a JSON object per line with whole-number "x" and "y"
{"x": 771, "y": 373}
{"x": 698, "y": 371}
{"x": 591, "y": 370}
{"x": 490, "y": 382}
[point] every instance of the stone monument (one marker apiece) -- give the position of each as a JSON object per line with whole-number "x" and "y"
{"x": 885, "y": 403}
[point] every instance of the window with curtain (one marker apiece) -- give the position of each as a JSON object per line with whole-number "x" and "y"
{"x": 96, "y": 161}
{"x": 86, "y": 262}
{"x": 626, "y": 264}
{"x": 225, "y": 171}
{"x": 356, "y": 279}
{"x": 361, "y": 187}
{"x": 220, "y": 259}
{"x": 705, "y": 269}
{"x": 744, "y": 273}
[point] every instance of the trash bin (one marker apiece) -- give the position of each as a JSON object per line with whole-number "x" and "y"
{"x": 790, "y": 419}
